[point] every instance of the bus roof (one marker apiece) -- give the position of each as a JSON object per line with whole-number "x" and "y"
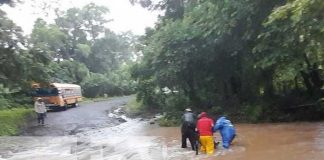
{"x": 64, "y": 85}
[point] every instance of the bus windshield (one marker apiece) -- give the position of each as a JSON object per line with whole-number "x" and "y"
{"x": 41, "y": 92}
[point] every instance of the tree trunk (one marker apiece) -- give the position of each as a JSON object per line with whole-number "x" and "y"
{"x": 296, "y": 83}
{"x": 268, "y": 86}
{"x": 190, "y": 80}
{"x": 307, "y": 82}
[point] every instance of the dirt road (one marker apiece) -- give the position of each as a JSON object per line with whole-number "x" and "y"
{"x": 85, "y": 117}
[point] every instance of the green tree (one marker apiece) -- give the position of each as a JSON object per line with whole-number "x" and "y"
{"x": 48, "y": 38}
{"x": 108, "y": 53}
{"x": 292, "y": 43}
{"x": 69, "y": 72}
{"x": 235, "y": 53}
{"x": 12, "y": 64}
{"x": 80, "y": 25}
{"x": 94, "y": 20}
{"x": 71, "y": 23}
{"x": 19, "y": 64}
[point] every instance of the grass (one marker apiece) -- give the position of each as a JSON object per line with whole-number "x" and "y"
{"x": 169, "y": 122}
{"x": 134, "y": 108}
{"x": 91, "y": 100}
{"x": 11, "y": 120}
{"x": 137, "y": 109}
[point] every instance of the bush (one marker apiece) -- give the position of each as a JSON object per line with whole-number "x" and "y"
{"x": 135, "y": 108}
{"x": 22, "y": 99}
{"x": 169, "y": 121}
{"x": 4, "y": 103}
{"x": 94, "y": 86}
{"x": 12, "y": 120}
{"x": 98, "y": 85}
{"x": 175, "y": 103}
{"x": 253, "y": 112}
{"x": 216, "y": 110}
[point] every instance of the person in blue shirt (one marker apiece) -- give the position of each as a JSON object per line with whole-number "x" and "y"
{"x": 226, "y": 129}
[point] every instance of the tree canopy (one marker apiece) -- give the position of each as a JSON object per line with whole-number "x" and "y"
{"x": 243, "y": 57}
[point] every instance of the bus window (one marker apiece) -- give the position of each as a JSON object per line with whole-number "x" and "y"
{"x": 54, "y": 91}
{"x": 45, "y": 92}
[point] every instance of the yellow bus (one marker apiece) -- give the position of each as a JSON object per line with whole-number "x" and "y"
{"x": 58, "y": 95}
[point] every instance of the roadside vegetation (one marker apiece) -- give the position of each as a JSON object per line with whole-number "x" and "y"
{"x": 136, "y": 108}
{"x": 13, "y": 120}
{"x": 252, "y": 60}
{"x": 91, "y": 100}
{"x": 169, "y": 121}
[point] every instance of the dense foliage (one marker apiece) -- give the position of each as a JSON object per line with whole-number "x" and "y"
{"x": 77, "y": 48}
{"x": 247, "y": 58}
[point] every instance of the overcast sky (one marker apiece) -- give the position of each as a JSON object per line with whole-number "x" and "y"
{"x": 126, "y": 17}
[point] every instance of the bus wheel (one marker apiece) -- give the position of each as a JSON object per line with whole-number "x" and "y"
{"x": 65, "y": 107}
{"x": 74, "y": 105}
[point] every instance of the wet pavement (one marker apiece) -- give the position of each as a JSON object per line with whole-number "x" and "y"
{"x": 95, "y": 132}
{"x": 85, "y": 117}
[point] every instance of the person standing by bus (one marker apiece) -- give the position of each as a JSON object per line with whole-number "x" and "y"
{"x": 40, "y": 109}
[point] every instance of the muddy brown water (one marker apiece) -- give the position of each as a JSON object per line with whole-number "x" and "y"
{"x": 284, "y": 141}
{"x": 138, "y": 140}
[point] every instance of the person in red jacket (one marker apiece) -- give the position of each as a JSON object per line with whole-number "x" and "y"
{"x": 205, "y": 130}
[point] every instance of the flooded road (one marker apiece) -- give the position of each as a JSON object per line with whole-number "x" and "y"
{"x": 91, "y": 132}
{"x": 86, "y": 117}
{"x": 295, "y": 141}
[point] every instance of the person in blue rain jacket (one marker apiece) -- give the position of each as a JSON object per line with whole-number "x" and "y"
{"x": 226, "y": 129}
